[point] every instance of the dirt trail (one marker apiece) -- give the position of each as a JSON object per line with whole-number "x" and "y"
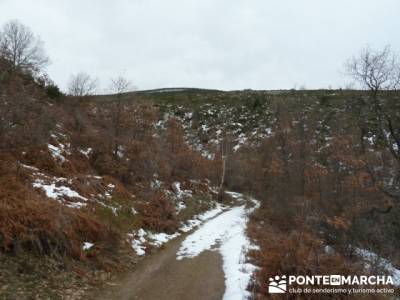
{"x": 200, "y": 272}
{"x": 161, "y": 276}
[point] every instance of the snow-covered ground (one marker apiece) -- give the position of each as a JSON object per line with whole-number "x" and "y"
{"x": 139, "y": 238}
{"x": 59, "y": 192}
{"x": 225, "y": 233}
{"x": 87, "y": 245}
{"x": 372, "y": 260}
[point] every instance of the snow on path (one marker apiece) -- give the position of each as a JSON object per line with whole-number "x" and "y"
{"x": 225, "y": 233}
{"x": 139, "y": 238}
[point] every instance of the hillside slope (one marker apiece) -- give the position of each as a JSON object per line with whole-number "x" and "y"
{"x": 87, "y": 188}
{"x": 90, "y": 185}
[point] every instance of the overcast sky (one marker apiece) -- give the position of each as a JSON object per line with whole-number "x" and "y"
{"x": 222, "y": 44}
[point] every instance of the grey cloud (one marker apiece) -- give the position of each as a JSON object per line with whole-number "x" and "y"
{"x": 234, "y": 44}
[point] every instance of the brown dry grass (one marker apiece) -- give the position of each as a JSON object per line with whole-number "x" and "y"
{"x": 31, "y": 223}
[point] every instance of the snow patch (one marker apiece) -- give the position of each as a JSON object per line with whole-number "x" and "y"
{"x": 225, "y": 233}
{"x": 137, "y": 241}
{"x": 86, "y": 152}
{"x": 87, "y": 245}
{"x": 29, "y": 167}
{"x": 139, "y": 238}
{"x": 155, "y": 184}
{"x": 59, "y": 192}
{"x": 234, "y": 195}
{"x": 198, "y": 219}
{"x": 180, "y": 206}
{"x": 157, "y": 239}
{"x": 56, "y": 152}
{"x": 373, "y": 259}
{"x": 176, "y": 187}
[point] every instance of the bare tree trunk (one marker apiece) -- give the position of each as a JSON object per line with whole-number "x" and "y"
{"x": 223, "y": 173}
{"x": 224, "y": 156}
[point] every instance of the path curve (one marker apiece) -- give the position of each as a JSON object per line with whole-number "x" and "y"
{"x": 162, "y": 276}
{"x": 209, "y": 263}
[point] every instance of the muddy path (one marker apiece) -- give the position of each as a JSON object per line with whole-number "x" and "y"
{"x": 207, "y": 263}
{"x": 162, "y": 276}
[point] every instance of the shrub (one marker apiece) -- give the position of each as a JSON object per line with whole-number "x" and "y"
{"x": 159, "y": 213}
{"x": 297, "y": 252}
{"x": 53, "y": 91}
{"x": 29, "y": 223}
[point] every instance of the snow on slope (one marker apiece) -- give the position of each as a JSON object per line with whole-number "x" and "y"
{"x": 59, "y": 192}
{"x": 372, "y": 259}
{"x": 225, "y": 233}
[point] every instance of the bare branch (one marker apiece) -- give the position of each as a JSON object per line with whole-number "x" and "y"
{"x": 81, "y": 85}
{"x": 120, "y": 85}
{"x": 375, "y": 70}
{"x": 22, "y": 48}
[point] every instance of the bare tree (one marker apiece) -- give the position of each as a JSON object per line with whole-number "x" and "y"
{"x": 24, "y": 121}
{"x": 375, "y": 70}
{"x": 22, "y": 48}
{"x": 378, "y": 71}
{"x": 119, "y": 86}
{"x": 81, "y": 85}
{"x": 224, "y": 157}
